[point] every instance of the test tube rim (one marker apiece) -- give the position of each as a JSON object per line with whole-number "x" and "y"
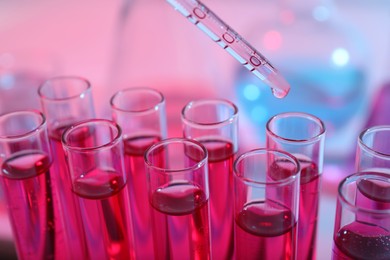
{"x": 116, "y": 139}
{"x": 285, "y": 181}
{"x": 86, "y": 89}
{"x": 40, "y": 126}
{"x": 140, "y": 111}
{"x": 171, "y": 140}
{"x": 367, "y": 148}
{"x": 232, "y": 118}
{"x": 311, "y": 117}
{"x": 341, "y": 198}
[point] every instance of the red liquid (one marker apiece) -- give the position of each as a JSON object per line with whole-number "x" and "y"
{"x": 308, "y": 204}
{"x": 27, "y": 188}
{"x": 104, "y": 203}
{"x": 220, "y": 160}
{"x": 135, "y": 167}
{"x": 180, "y": 222}
{"x": 68, "y": 205}
{"x": 308, "y": 210}
{"x": 372, "y": 194}
{"x": 265, "y": 230}
{"x": 360, "y": 240}
{"x": 375, "y": 191}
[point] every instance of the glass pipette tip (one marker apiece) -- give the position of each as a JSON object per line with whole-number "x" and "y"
{"x": 207, "y": 21}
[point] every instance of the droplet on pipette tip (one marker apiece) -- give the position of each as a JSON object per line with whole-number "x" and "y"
{"x": 279, "y": 86}
{"x": 279, "y": 93}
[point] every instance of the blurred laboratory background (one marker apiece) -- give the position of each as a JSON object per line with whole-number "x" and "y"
{"x": 334, "y": 53}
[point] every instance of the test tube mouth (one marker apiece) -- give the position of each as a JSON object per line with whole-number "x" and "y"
{"x": 64, "y": 88}
{"x": 200, "y": 160}
{"x": 369, "y": 133}
{"x": 103, "y": 134}
{"x": 137, "y": 100}
{"x": 21, "y": 124}
{"x": 263, "y": 152}
{"x": 198, "y": 113}
{"x": 316, "y": 125}
{"x": 344, "y": 191}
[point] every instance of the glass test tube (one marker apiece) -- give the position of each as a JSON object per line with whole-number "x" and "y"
{"x": 140, "y": 112}
{"x": 302, "y": 135}
{"x": 66, "y": 100}
{"x": 361, "y": 232}
{"x": 94, "y": 155}
{"x": 266, "y": 199}
{"x": 214, "y": 123}
{"x": 373, "y": 149}
{"x": 26, "y": 178}
{"x": 179, "y": 196}
{"x": 373, "y": 155}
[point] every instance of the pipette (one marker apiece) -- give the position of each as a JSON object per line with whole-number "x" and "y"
{"x": 207, "y": 21}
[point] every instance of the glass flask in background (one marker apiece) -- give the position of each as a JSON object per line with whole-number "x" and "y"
{"x": 323, "y": 58}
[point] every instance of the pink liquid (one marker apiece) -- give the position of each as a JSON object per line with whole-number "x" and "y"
{"x": 375, "y": 191}
{"x": 135, "y": 166}
{"x": 360, "y": 240}
{"x": 373, "y": 194}
{"x": 27, "y": 188}
{"x": 67, "y": 200}
{"x": 308, "y": 210}
{"x": 181, "y": 222}
{"x": 220, "y": 159}
{"x": 308, "y": 205}
{"x": 265, "y": 230}
{"x": 104, "y": 203}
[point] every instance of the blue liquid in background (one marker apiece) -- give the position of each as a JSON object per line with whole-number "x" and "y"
{"x": 336, "y": 95}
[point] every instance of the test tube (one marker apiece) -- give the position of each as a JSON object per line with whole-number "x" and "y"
{"x": 302, "y": 135}
{"x": 66, "y": 100}
{"x": 94, "y": 155}
{"x": 140, "y": 112}
{"x": 214, "y": 123}
{"x": 373, "y": 149}
{"x": 26, "y": 178}
{"x": 266, "y": 199}
{"x": 373, "y": 155}
{"x": 360, "y": 231}
{"x": 179, "y": 196}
